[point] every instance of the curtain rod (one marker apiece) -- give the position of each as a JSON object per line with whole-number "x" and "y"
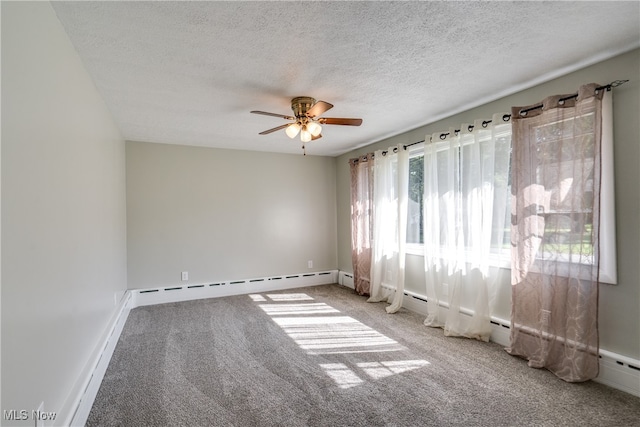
{"x": 507, "y": 117}
{"x": 575, "y": 95}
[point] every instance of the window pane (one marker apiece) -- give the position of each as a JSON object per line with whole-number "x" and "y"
{"x": 565, "y": 152}
{"x": 471, "y": 183}
{"x": 414, "y": 211}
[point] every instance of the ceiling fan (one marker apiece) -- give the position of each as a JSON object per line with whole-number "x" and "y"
{"x": 306, "y": 119}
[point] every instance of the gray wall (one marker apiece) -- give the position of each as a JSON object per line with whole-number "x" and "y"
{"x": 619, "y": 314}
{"x": 226, "y": 214}
{"x": 63, "y": 213}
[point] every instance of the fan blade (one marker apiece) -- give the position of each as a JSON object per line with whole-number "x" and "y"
{"x": 313, "y": 138}
{"x": 318, "y": 109}
{"x": 340, "y": 121}
{"x": 264, "y": 113}
{"x": 268, "y": 131}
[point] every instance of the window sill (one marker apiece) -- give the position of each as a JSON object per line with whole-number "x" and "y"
{"x": 496, "y": 261}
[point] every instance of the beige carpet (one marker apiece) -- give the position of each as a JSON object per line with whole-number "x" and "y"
{"x": 322, "y": 356}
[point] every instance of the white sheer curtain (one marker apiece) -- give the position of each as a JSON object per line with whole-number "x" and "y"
{"x": 466, "y": 178}
{"x": 390, "y": 198}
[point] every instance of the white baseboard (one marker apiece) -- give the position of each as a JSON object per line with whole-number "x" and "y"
{"x": 91, "y": 384}
{"x": 81, "y": 405}
{"x": 622, "y": 373}
{"x": 234, "y": 287}
{"x": 346, "y": 279}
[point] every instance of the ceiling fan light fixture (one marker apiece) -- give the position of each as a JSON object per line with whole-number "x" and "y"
{"x": 314, "y": 128}
{"x": 292, "y": 130}
{"x": 305, "y": 135}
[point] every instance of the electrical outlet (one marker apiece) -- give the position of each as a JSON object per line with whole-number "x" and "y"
{"x": 310, "y": 264}
{"x": 185, "y": 276}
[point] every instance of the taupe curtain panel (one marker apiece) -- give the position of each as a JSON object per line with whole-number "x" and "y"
{"x": 361, "y": 221}
{"x": 554, "y": 233}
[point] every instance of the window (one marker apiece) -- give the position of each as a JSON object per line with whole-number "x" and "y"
{"x": 567, "y": 208}
{"x": 565, "y": 151}
{"x": 565, "y": 188}
{"x": 472, "y": 191}
{"x": 566, "y": 226}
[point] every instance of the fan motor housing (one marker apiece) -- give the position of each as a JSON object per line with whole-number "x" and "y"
{"x": 301, "y": 105}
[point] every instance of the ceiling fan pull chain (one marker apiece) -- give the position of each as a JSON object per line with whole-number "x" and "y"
{"x": 304, "y": 150}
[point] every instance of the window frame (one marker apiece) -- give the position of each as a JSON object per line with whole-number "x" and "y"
{"x": 607, "y": 240}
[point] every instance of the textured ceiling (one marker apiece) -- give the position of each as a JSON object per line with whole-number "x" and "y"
{"x": 190, "y": 72}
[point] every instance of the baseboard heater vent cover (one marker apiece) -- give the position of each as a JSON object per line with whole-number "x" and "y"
{"x": 162, "y": 295}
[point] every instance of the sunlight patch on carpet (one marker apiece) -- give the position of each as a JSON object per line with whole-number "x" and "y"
{"x": 290, "y": 297}
{"x": 377, "y": 370}
{"x": 342, "y": 375}
{"x": 288, "y": 309}
{"x": 319, "y": 328}
{"x": 346, "y": 377}
{"x": 335, "y": 334}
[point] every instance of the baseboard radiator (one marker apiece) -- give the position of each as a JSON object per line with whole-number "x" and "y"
{"x": 346, "y": 279}
{"x": 233, "y": 287}
{"x": 142, "y": 297}
{"x": 81, "y": 405}
{"x": 616, "y": 371}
